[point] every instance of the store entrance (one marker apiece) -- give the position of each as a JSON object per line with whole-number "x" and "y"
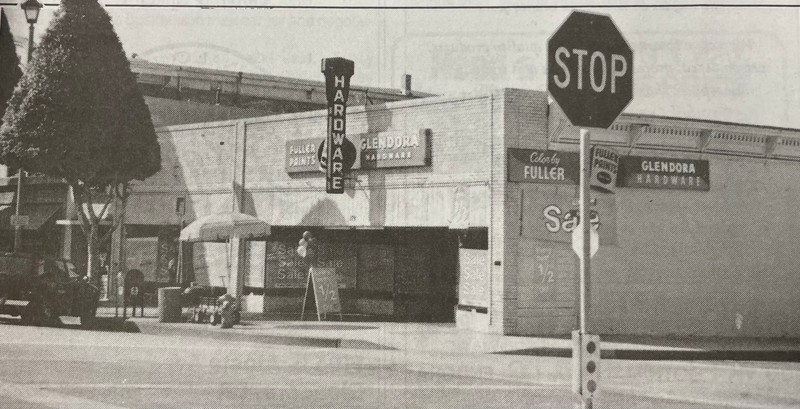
{"x": 425, "y": 275}
{"x": 392, "y": 274}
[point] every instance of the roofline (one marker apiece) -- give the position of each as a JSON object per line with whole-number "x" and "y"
{"x": 442, "y": 99}
{"x": 170, "y": 68}
{"x": 322, "y": 112}
{"x": 628, "y": 115}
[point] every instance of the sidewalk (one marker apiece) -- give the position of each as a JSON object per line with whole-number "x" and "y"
{"x": 446, "y": 338}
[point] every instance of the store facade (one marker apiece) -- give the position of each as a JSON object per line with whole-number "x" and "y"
{"x": 460, "y": 209}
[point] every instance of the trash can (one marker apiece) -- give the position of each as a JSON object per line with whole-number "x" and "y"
{"x": 169, "y": 304}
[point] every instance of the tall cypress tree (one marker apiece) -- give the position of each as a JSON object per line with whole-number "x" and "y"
{"x": 78, "y": 115}
{"x": 9, "y": 63}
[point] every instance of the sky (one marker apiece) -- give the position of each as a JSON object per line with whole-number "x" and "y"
{"x": 734, "y": 62}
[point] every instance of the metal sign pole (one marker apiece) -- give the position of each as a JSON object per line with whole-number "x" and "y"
{"x": 586, "y": 225}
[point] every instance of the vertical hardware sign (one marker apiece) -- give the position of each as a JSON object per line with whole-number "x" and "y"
{"x": 337, "y": 86}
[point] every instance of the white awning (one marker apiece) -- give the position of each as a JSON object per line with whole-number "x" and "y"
{"x": 223, "y": 226}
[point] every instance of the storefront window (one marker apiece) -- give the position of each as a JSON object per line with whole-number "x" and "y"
{"x": 376, "y": 267}
{"x": 286, "y": 269}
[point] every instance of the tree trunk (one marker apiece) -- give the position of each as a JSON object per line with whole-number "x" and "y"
{"x": 91, "y": 256}
{"x": 123, "y": 245}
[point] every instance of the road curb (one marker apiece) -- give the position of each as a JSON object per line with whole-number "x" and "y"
{"x": 152, "y": 327}
{"x": 213, "y": 332}
{"x": 669, "y": 355}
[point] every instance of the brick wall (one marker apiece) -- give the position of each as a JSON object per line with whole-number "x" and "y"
{"x": 413, "y": 196}
{"x": 720, "y": 262}
{"x": 525, "y": 127}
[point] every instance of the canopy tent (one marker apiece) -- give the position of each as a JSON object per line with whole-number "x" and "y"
{"x": 234, "y": 228}
{"x": 223, "y": 227}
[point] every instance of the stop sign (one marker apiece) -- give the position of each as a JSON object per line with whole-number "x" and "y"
{"x": 590, "y": 70}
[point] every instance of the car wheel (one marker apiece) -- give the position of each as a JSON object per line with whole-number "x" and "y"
{"x": 26, "y": 317}
{"x": 88, "y": 318}
{"x": 39, "y": 313}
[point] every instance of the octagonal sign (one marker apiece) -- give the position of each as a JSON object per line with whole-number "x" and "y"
{"x": 590, "y": 70}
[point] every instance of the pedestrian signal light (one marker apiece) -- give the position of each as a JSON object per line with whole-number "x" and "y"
{"x": 586, "y": 363}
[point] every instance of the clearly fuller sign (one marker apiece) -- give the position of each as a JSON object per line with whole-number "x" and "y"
{"x": 543, "y": 166}
{"x": 590, "y": 70}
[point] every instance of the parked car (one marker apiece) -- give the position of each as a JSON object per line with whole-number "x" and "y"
{"x": 41, "y": 289}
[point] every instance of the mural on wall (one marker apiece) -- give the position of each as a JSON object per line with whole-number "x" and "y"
{"x": 550, "y": 213}
{"x": 547, "y": 275}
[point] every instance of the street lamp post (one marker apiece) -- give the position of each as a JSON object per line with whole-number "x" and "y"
{"x": 180, "y": 210}
{"x": 31, "y": 8}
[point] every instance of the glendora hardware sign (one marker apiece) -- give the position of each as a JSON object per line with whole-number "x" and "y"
{"x": 395, "y": 150}
{"x": 664, "y": 173}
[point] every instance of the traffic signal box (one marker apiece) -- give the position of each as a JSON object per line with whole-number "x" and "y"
{"x": 585, "y": 363}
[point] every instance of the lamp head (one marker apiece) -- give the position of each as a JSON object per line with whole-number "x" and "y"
{"x": 31, "y": 8}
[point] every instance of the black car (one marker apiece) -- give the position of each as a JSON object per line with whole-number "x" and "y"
{"x": 41, "y": 289}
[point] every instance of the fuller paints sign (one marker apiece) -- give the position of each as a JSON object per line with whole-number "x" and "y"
{"x": 543, "y": 166}
{"x": 664, "y": 173}
{"x": 301, "y": 155}
{"x": 605, "y": 163}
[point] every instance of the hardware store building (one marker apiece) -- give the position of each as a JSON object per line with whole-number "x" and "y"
{"x": 458, "y": 209}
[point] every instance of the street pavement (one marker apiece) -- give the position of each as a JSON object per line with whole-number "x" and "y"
{"x": 72, "y": 368}
{"x": 447, "y": 338}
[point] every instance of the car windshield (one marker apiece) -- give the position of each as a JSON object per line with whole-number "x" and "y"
{"x": 14, "y": 265}
{"x": 66, "y": 269}
{"x": 71, "y": 270}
